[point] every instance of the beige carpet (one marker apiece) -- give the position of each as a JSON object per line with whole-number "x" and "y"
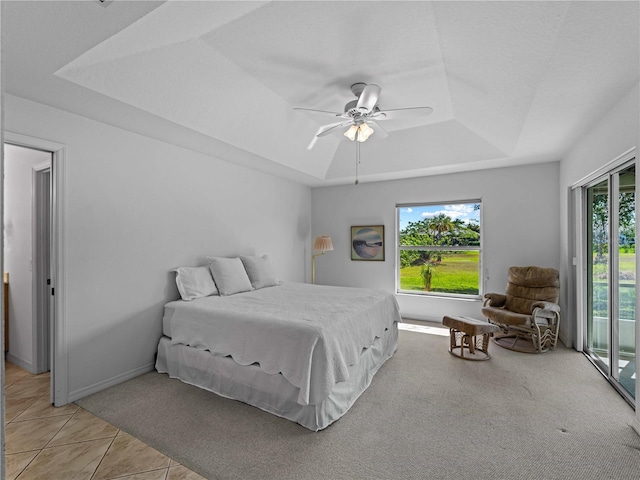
{"x": 427, "y": 415}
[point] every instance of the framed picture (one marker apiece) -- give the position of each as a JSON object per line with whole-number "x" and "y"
{"x": 367, "y": 243}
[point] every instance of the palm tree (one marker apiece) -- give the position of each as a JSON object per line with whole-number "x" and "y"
{"x": 440, "y": 224}
{"x": 426, "y": 272}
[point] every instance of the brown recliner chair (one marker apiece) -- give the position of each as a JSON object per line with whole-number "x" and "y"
{"x": 528, "y": 311}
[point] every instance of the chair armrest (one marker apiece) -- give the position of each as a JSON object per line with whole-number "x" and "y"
{"x": 494, "y": 300}
{"x": 550, "y": 306}
{"x": 548, "y": 312}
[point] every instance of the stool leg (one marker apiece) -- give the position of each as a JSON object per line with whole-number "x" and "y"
{"x": 472, "y": 345}
{"x": 452, "y": 339}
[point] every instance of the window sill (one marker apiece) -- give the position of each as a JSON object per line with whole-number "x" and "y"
{"x": 440, "y": 297}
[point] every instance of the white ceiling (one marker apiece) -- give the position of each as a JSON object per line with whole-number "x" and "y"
{"x": 509, "y": 82}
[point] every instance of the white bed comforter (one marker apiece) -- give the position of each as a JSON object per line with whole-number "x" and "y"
{"x": 310, "y": 334}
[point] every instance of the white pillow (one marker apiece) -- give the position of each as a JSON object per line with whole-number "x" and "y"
{"x": 229, "y": 275}
{"x": 260, "y": 271}
{"x": 195, "y": 282}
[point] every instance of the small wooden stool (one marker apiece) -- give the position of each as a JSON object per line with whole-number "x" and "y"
{"x": 469, "y": 333}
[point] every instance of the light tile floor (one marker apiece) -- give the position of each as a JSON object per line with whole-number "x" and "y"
{"x": 69, "y": 443}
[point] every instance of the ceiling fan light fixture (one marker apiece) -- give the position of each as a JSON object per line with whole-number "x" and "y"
{"x": 351, "y": 132}
{"x": 364, "y": 132}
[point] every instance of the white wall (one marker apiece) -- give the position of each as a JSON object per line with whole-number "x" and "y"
{"x": 615, "y": 133}
{"x": 520, "y": 225}
{"x": 135, "y": 208}
{"x": 18, "y": 249}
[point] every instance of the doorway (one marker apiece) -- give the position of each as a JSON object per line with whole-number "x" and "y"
{"x": 27, "y": 256}
{"x": 57, "y": 331}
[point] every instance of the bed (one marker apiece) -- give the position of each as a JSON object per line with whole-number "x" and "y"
{"x": 302, "y": 352}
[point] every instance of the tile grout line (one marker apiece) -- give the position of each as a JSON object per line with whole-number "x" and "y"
{"x": 166, "y": 476}
{"x": 28, "y": 375}
{"x": 136, "y": 473}
{"x": 104, "y": 455}
{"x": 126, "y": 475}
{"x": 59, "y": 430}
{"x": 17, "y": 477}
{"x": 15, "y": 419}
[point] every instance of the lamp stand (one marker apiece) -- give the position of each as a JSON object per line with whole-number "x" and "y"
{"x": 313, "y": 266}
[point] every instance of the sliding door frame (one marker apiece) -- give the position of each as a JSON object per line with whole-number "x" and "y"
{"x": 580, "y": 261}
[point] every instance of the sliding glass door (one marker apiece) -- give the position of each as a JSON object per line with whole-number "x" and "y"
{"x": 611, "y": 276}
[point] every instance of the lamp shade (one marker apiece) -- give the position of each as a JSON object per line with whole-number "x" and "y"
{"x": 351, "y": 132}
{"x": 364, "y": 132}
{"x": 322, "y": 244}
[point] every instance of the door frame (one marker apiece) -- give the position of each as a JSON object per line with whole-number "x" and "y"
{"x": 580, "y": 260}
{"x": 58, "y": 354}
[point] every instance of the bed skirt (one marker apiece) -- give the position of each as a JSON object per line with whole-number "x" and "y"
{"x": 273, "y": 393}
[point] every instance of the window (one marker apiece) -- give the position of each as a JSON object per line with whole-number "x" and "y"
{"x": 439, "y": 249}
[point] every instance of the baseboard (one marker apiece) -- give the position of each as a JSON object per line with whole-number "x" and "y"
{"x": 565, "y": 341}
{"x": 20, "y": 362}
{"x": 110, "y": 382}
{"x": 421, "y": 318}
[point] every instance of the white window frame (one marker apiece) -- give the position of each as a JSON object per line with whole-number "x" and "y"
{"x": 399, "y": 248}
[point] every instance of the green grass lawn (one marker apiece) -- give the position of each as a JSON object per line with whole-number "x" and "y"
{"x": 627, "y": 262}
{"x": 627, "y": 293}
{"x": 457, "y": 273}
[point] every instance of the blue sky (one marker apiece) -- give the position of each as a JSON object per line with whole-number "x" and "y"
{"x": 463, "y": 211}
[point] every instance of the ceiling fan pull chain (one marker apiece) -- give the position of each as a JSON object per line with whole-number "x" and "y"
{"x": 357, "y": 160}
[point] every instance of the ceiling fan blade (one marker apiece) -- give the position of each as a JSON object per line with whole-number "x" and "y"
{"x": 402, "y": 113}
{"x": 326, "y": 129}
{"x": 368, "y": 98}
{"x": 313, "y": 142}
{"x": 318, "y": 111}
{"x": 378, "y": 130}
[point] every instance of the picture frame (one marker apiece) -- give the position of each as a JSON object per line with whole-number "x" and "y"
{"x": 367, "y": 243}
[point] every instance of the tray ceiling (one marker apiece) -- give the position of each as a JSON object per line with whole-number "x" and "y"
{"x": 509, "y": 82}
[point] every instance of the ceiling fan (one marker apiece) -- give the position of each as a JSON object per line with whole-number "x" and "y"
{"x": 362, "y": 113}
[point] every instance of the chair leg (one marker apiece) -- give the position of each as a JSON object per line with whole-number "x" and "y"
{"x": 536, "y": 338}
{"x": 550, "y": 337}
{"x": 509, "y": 340}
